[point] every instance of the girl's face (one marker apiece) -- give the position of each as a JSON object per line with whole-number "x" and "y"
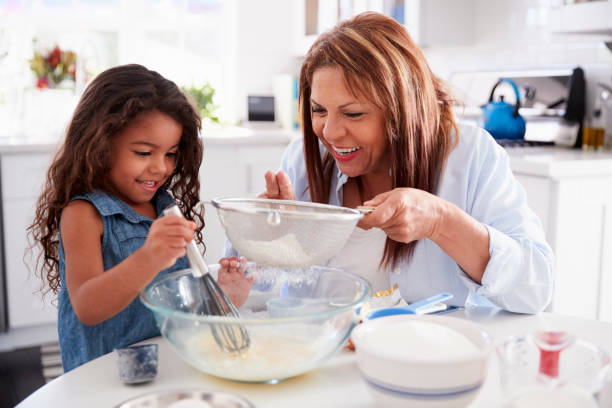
{"x": 144, "y": 156}
{"x": 350, "y": 128}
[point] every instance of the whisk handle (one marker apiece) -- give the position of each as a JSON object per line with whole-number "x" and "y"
{"x": 196, "y": 261}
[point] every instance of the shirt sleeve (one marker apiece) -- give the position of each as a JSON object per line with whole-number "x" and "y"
{"x": 519, "y": 276}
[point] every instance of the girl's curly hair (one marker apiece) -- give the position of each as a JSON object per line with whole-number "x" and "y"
{"x": 110, "y": 102}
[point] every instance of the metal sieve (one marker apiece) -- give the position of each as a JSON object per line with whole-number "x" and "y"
{"x": 285, "y": 233}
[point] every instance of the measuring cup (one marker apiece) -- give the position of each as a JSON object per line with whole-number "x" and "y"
{"x": 418, "y": 307}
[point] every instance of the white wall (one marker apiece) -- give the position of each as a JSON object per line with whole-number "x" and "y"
{"x": 264, "y": 47}
{"x": 514, "y": 33}
{"x": 507, "y": 34}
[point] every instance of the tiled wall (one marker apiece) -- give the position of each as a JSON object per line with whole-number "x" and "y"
{"x": 515, "y": 33}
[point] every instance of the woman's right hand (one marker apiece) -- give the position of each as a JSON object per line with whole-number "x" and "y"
{"x": 278, "y": 186}
{"x": 166, "y": 241}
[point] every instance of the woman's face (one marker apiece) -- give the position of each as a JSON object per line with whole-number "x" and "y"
{"x": 351, "y": 128}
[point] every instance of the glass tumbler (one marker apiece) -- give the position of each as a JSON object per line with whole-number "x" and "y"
{"x": 548, "y": 368}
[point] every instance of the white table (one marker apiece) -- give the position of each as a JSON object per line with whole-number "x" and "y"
{"x": 336, "y": 384}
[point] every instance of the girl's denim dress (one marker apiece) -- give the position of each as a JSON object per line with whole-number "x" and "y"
{"x": 124, "y": 232}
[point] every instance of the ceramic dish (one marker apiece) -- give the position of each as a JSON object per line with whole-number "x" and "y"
{"x": 187, "y": 399}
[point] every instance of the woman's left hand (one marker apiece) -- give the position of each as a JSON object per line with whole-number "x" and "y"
{"x": 405, "y": 214}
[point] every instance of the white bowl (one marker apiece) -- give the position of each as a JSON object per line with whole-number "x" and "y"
{"x": 422, "y": 361}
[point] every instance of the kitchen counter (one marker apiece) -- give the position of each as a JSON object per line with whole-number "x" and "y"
{"x": 559, "y": 162}
{"x": 336, "y": 384}
{"x": 541, "y": 161}
{"x": 230, "y": 135}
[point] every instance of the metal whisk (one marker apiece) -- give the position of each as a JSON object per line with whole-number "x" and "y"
{"x": 231, "y": 338}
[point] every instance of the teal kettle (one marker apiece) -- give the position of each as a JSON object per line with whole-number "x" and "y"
{"x": 501, "y": 119}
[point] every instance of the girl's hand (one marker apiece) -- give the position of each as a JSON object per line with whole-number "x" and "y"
{"x": 232, "y": 281}
{"x": 166, "y": 241}
{"x": 278, "y": 186}
{"x": 405, "y": 214}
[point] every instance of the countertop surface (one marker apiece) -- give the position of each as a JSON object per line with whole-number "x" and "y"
{"x": 541, "y": 161}
{"x": 559, "y": 162}
{"x": 336, "y": 384}
{"x": 232, "y": 135}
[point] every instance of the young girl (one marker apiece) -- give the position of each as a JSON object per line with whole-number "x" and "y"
{"x": 131, "y": 150}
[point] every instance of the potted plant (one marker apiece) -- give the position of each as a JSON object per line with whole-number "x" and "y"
{"x": 203, "y": 96}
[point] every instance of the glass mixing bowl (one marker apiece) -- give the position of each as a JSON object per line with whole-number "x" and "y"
{"x": 321, "y": 310}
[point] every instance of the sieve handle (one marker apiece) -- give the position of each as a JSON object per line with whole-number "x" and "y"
{"x": 365, "y": 209}
{"x": 198, "y": 266}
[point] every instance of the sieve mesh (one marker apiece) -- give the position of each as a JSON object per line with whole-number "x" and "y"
{"x": 285, "y": 233}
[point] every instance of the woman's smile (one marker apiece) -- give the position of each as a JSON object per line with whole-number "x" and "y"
{"x": 345, "y": 154}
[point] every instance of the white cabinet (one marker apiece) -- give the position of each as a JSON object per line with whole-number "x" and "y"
{"x": 233, "y": 170}
{"x": 592, "y": 17}
{"x": 440, "y": 22}
{"x": 429, "y": 22}
{"x": 23, "y": 175}
{"x": 576, "y": 210}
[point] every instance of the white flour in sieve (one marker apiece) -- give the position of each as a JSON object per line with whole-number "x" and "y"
{"x": 285, "y": 251}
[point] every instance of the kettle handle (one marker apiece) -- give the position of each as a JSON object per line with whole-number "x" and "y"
{"x": 517, "y": 105}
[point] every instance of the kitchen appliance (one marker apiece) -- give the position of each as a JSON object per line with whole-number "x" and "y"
{"x": 501, "y": 119}
{"x": 552, "y": 102}
{"x": 260, "y": 109}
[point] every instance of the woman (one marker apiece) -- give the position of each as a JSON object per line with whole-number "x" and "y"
{"x": 379, "y": 131}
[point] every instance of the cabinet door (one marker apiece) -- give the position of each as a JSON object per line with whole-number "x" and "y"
{"x": 539, "y": 192}
{"x": 429, "y": 22}
{"x": 580, "y": 250}
{"x": 22, "y": 179}
{"x": 233, "y": 171}
{"x": 592, "y": 17}
{"x": 25, "y": 302}
{"x": 258, "y": 160}
{"x": 605, "y": 289}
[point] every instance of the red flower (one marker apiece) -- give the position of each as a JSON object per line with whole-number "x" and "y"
{"x": 54, "y": 57}
{"x": 42, "y": 83}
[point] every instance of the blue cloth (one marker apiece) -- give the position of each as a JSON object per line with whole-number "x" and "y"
{"x": 124, "y": 232}
{"x": 476, "y": 178}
